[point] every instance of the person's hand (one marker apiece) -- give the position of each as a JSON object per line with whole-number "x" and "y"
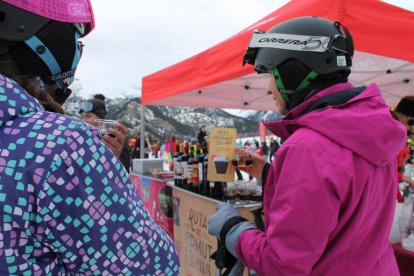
{"x": 256, "y": 168}
{"x": 224, "y": 212}
{"x": 409, "y": 180}
{"x": 237, "y": 269}
{"x": 116, "y": 138}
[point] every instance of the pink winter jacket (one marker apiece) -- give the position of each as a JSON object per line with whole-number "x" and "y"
{"x": 330, "y": 193}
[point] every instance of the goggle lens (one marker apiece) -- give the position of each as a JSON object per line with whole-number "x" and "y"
{"x": 85, "y": 107}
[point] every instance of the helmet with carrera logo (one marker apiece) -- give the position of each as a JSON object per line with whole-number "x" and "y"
{"x": 43, "y": 38}
{"x": 304, "y": 55}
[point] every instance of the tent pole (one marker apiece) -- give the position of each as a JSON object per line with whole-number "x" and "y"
{"x": 142, "y": 142}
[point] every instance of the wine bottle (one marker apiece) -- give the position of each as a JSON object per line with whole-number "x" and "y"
{"x": 183, "y": 162}
{"x": 218, "y": 190}
{"x": 196, "y": 168}
{"x": 177, "y": 171}
{"x": 190, "y": 169}
{"x": 205, "y": 185}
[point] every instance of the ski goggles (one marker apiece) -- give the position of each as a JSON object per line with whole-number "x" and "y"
{"x": 301, "y": 43}
{"x": 85, "y": 107}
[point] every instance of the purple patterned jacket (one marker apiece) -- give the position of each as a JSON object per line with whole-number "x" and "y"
{"x": 67, "y": 204}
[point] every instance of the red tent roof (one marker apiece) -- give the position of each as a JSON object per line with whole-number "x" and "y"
{"x": 383, "y": 36}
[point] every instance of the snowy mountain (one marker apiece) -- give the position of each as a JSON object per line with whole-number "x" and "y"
{"x": 254, "y": 115}
{"x": 164, "y": 121}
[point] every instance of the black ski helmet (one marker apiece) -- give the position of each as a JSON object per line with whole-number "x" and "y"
{"x": 304, "y": 54}
{"x": 95, "y": 105}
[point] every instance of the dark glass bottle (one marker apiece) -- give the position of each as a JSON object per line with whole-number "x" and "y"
{"x": 205, "y": 185}
{"x": 189, "y": 171}
{"x": 218, "y": 190}
{"x": 177, "y": 168}
{"x": 180, "y": 171}
{"x": 196, "y": 168}
{"x": 182, "y": 160}
{"x": 201, "y": 172}
{"x": 204, "y": 147}
{"x": 178, "y": 147}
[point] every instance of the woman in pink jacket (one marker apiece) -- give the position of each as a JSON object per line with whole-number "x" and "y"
{"x": 329, "y": 195}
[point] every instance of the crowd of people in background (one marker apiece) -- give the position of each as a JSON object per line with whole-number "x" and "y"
{"x": 154, "y": 149}
{"x": 404, "y": 113}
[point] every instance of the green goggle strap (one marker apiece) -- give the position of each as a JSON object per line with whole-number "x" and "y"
{"x": 305, "y": 83}
{"x": 279, "y": 85}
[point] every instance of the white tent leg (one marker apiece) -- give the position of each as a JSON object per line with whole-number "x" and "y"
{"x": 142, "y": 143}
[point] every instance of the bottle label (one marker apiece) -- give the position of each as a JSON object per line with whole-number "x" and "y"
{"x": 200, "y": 172}
{"x": 184, "y": 169}
{"x": 189, "y": 173}
{"x": 176, "y": 168}
{"x": 196, "y": 179}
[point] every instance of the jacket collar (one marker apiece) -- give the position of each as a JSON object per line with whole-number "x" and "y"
{"x": 282, "y": 127}
{"x": 15, "y": 101}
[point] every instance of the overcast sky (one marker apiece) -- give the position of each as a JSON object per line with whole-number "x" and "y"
{"x": 135, "y": 38}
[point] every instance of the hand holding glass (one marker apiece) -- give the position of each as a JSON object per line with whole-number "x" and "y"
{"x": 243, "y": 159}
{"x": 104, "y": 125}
{"x": 253, "y": 163}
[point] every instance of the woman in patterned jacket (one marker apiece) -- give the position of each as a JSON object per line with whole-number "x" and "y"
{"x": 67, "y": 204}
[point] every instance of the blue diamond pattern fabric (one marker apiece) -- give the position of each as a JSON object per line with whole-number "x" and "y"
{"x": 67, "y": 204}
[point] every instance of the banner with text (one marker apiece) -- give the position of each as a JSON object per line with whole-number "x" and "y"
{"x": 194, "y": 244}
{"x": 221, "y": 143}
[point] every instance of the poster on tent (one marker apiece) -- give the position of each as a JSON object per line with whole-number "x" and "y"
{"x": 221, "y": 150}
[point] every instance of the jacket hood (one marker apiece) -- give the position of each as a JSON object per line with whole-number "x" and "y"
{"x": 362, "y": 124}
{"x": 14, "y": 101}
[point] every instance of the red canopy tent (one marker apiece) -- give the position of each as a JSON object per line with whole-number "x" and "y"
{"x": 384, "y": 42}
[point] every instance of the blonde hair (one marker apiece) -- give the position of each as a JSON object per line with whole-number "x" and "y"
{"x": 10, "y": 69}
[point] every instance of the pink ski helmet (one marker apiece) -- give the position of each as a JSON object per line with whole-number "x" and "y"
{"x": 71, "y": 11}
{"x": 43, "y": 37}
{"x": 41, "y": 12}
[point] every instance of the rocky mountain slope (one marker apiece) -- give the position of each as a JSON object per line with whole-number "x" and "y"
{"x": 161, "y": 121}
